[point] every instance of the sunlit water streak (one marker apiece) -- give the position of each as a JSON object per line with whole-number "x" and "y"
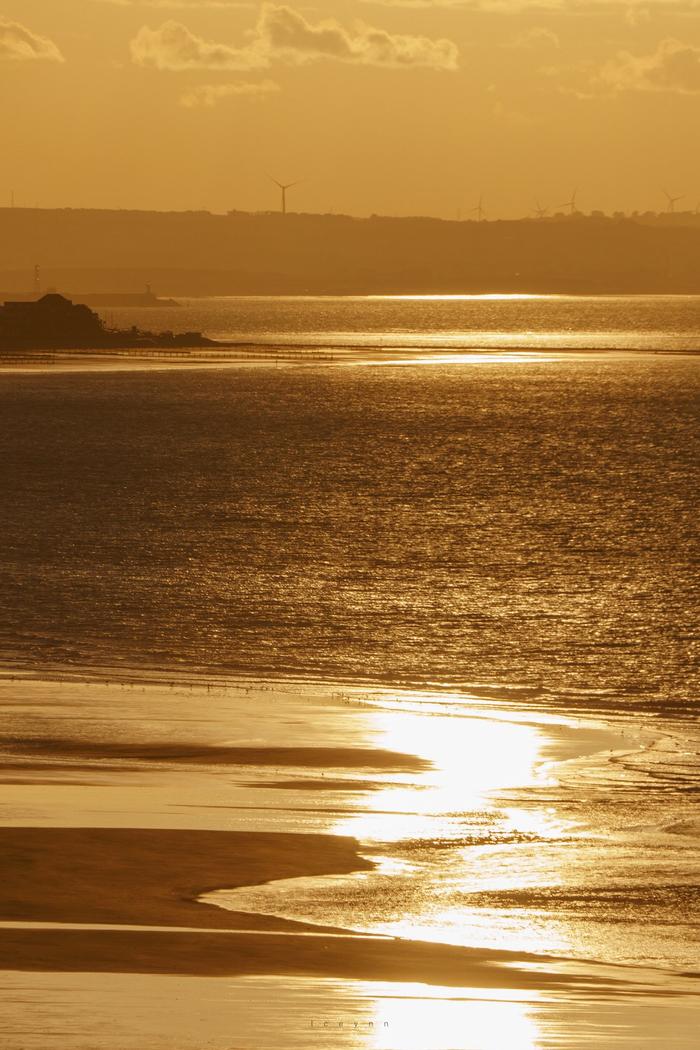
{"x": 495, "y": 321}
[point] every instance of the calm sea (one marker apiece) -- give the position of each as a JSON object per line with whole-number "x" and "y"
{"x": 517, "y": 521}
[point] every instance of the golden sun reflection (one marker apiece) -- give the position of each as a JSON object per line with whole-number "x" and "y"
{"x": 470, "y": 755}
{"x": 476, "y": 820}
{"x": 474, "y": 357}
{"x": 418, "y": 1017}
{"x": 470, "y": 758}
{"x": 476, "y": 297}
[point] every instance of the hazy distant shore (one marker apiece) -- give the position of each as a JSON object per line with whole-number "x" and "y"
{"x": 267, "y": 253}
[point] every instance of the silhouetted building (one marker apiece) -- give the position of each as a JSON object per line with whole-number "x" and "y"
{"x": 52, "y": 320}
{"x": 55, "y": 323}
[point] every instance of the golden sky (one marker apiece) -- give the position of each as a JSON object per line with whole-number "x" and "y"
{"x": 386, "y": 106}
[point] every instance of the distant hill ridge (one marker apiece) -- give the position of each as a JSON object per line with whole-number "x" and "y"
{"x": 198, "y": 253}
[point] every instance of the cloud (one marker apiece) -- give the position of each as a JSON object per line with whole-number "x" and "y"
{"x": 287, "y": 34}
{"x": 211, "y": 94}
{"x": 538, "y": 36}
{"x": 173, "y": 47}
{"x": 282, "y": 34}
{"x": 20, "y": 44}
{"x": 673, "y": 67}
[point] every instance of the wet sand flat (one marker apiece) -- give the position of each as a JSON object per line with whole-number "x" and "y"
{"x": 153, "y": 877}
{"x": 129, "y": 809}
{"x": 350, "y": 957}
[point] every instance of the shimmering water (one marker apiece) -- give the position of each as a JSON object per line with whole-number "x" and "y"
{"x": 527, "y": 523}
{"x": 452, "y": 323}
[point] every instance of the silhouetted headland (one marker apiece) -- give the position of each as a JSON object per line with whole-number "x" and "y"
{"x": 55, "y": 323}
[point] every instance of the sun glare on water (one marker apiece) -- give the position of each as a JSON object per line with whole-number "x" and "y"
{"x": 413, "y": 1017}
{"x": 436, "y": 834}
{"x": 468, "y": 760}
{"x": 484, "y": 297}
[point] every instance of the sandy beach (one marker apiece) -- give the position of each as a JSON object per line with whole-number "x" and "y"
{"x": 117, "y": 846}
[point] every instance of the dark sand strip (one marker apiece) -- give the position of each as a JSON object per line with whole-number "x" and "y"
{"x": 251, "y": 954}
{"x": 149, "y": 877}
{"x": 324, "y": 784}
{"x": 49, "y": 748}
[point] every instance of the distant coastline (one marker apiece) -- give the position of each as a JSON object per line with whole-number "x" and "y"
{"x": 242, "y": 253}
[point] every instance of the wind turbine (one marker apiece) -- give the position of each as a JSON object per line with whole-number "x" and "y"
{"x": 284, "y": 187}
{"x": 480, "y": 212}
{"x": 672, "y": 201}
{"x": 539, "y": 211}
{"x": 570, "y": 204}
